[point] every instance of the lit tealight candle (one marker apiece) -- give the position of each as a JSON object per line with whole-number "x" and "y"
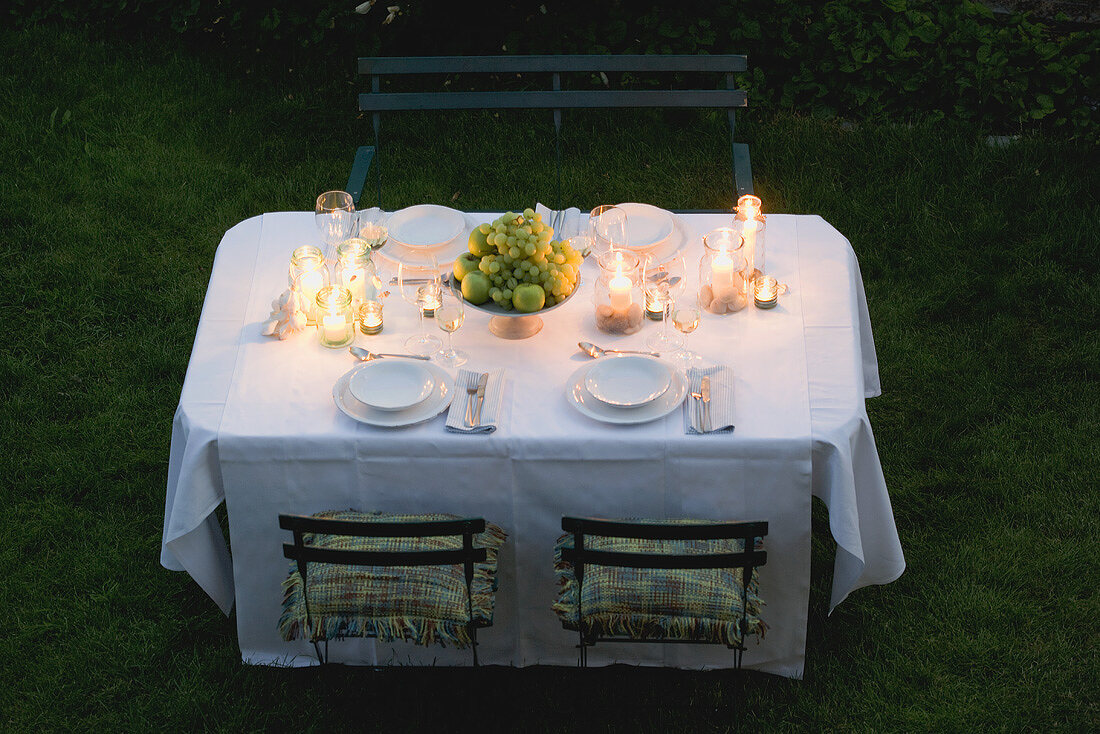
{"x": 766, "y": 293}
{"x": 370, "y": 317}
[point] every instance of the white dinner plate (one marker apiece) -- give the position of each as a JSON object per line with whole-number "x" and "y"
{"x": 425, "y": 226}
{"x": 667, "y": 250}
{"x": 392, "y": 384}
{"x": 646, "y": 226}
{"x": 629, "y": 381}
{"x": 579, "y": 398}
{"x": 436, "y": 403}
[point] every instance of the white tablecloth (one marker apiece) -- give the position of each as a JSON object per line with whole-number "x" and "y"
{"x": 257, "y": 428}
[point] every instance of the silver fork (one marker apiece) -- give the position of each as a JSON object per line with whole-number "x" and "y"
{"x": 471, "y": 393}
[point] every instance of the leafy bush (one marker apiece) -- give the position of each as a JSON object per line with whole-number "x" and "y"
{"x": 856, "y": 58}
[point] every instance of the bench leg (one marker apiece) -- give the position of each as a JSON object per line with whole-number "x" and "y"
{"x": 742, "y": 169}
{"x": 358, "y": 178}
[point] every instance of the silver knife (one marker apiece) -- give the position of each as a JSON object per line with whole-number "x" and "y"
{"x": 704, "y": 390}
{"x": 481, "y": 383}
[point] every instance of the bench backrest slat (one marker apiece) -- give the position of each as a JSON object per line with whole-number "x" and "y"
{"x": 551, "y": 63}
{"x": 567, "y": 99}
{"x": 556, "y": 98}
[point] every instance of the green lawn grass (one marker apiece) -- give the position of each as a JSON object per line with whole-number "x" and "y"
{"x": 125, "y": 163}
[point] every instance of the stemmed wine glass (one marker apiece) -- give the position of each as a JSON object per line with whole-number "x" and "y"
{"x": 607, "y": 228}
{"x": 334, "y": 215}
{"x": 420, "y": 285}
{"x": 449, "y": 317}
{"x": 686, "y": 319}
{"x": 663, "y": 281}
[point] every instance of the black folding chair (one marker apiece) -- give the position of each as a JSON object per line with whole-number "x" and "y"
{"x": 304, "y": 554}
{"x": 377, "y": 101}
{"x": 580, "y": 556}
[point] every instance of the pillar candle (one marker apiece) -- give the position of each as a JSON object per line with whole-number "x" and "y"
{"x": 620, "y": 287}
{"x": 749, "y": 233}
{"x": 334, "y": 327}
{"x": 722, "y": 277}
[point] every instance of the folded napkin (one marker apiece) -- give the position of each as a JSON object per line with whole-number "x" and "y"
{"x": 721, "y": 400}
{"x": 572, "y": 225}
{"x": 490, "y": 408}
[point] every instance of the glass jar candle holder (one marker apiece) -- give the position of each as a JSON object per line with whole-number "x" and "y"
{"x": 355, "y": 270}
{"x": 308, "y": 275}
{"x": 617, "y": 295}
{"x": 370, "y": 317}
{"x": 723, "y": 272}
{"x": 750, "y": 223}
{"x": 334, "y": 317}
{"x": 655, "y": 307}
{"x": 766, "y": 292}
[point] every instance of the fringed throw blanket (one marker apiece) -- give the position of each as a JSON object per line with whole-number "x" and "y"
{"x": 424, "y": 604}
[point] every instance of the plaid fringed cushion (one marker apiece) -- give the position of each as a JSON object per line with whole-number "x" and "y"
{"x": 423, "y": 604}
{"x": 653, "y": 603}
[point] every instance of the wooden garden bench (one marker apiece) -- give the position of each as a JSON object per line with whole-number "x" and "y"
{"x": 376, "y": 101}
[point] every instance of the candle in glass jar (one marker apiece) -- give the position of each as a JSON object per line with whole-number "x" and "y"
{"x": 355, "y": 270}
{"x": 748, "y": 209}
{"x": 370, "y": 317}
{"x": 334, "y": 319}
{"x": 766, "y": 292}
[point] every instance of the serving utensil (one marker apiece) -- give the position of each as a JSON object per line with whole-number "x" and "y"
{"x": 366, "y": 355}
{"x": 593, "y": 351}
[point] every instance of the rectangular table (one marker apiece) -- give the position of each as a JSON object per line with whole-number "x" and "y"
{"x": 257, "y": 428}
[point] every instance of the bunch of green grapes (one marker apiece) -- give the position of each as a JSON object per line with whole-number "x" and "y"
{"x": 528, "y": 253}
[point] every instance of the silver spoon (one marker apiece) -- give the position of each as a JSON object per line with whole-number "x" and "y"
{"x": 593, "y": 351}
{"x": 366, "y": 355}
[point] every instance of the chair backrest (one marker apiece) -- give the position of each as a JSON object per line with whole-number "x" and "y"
{"x": 748, "y": 559}
{"x": 299, "y": 525}
{"x": 555, "y": 98}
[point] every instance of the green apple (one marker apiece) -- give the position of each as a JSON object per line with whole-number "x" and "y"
{"x": 528, "y": 297}
{"x": 465, "y": 263}
{"x": 475, "y": 287}
{"x": 478, "y": 245}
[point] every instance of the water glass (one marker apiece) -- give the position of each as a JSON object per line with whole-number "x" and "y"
{"x": 334, "y": 215}
{"x": 607, "y": 228}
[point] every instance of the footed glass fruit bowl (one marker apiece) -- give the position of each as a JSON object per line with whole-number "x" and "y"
{"x": 514, "y": 324}
{"x": 515, "y": 270}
